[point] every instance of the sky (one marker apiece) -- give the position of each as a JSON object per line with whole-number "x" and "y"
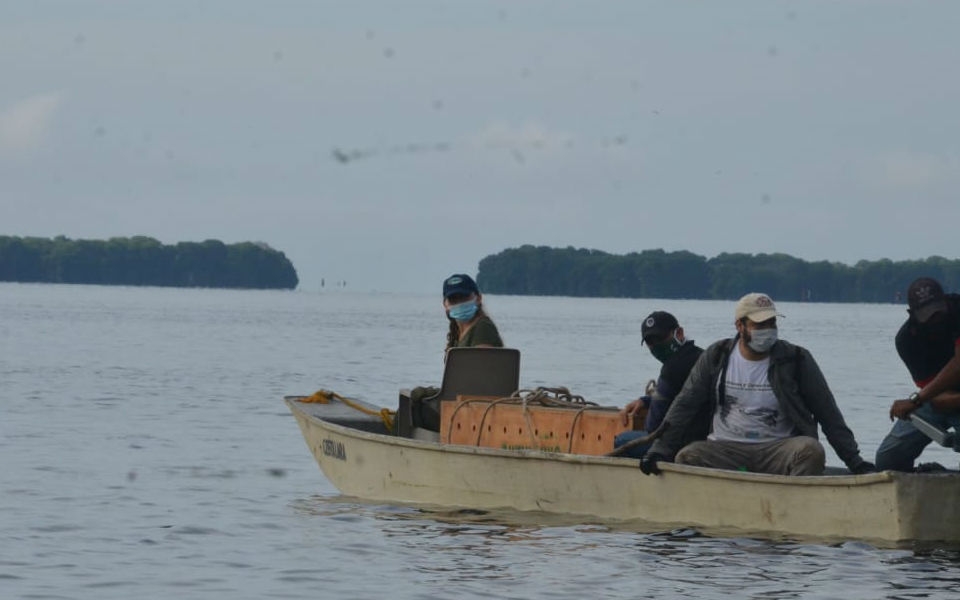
{"x": 389, "y": 144}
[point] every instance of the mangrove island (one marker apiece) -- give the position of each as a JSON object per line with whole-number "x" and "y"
{"x": 141, "y": 260}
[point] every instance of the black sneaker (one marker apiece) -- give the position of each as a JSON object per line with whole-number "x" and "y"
{"x": 930, "y": 467}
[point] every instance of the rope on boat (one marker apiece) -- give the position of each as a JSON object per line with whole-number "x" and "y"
{"x": 652, "y": 436}
{"x": 325, "y": 396}
{"x": 561, "y": 397}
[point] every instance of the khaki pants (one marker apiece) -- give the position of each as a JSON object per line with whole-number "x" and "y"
{"x": 798, "y": 455}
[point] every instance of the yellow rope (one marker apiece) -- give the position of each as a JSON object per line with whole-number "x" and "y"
{"x": 325, "y": 396}
{"x": 319, "y": 396}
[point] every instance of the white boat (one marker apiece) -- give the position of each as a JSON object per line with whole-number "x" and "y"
{"x": 363, "y": 458}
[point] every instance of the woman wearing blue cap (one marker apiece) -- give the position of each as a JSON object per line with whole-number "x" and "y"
{"x": 469, "y": 325}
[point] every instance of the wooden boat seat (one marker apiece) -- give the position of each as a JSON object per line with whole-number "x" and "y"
{"x": 467, "y": 371}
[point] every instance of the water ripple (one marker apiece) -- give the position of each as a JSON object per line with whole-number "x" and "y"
{"x": 171, "y": 469}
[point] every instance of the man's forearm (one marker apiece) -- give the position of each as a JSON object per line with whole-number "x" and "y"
{"x": 947, "y": 379}
{"x": 947, "y": 401}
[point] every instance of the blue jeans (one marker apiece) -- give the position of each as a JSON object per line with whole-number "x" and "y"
{"x": 905, "y": 442}
{"x": 626, "y": 436}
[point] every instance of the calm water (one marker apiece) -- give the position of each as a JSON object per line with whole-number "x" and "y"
{"x": 147, "y": 452}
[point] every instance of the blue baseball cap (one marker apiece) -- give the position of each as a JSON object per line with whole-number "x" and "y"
{"x": 459, "y": 284}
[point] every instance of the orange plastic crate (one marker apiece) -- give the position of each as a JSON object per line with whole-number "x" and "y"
{"x": 482, "y": 421}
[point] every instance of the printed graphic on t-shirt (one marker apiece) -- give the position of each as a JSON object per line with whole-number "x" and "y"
{"x": 750, "y": 411}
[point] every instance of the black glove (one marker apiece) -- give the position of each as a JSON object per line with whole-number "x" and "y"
{"x": 863, "y": 467}
{"x": 648, "y": 464}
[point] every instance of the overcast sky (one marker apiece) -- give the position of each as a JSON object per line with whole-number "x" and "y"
{"x": 389, "y": 144}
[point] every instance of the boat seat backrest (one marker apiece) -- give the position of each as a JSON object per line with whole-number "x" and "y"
{"x": 480, "y": 372}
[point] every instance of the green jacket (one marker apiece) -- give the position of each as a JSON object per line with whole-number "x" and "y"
{"x": 483, "y": 333}
{"x": 797, "y": 383}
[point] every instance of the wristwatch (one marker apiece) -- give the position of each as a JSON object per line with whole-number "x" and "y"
{"x": 915, "y": 399}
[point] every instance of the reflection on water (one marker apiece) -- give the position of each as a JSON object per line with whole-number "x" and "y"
{"x": 472, "y": 549}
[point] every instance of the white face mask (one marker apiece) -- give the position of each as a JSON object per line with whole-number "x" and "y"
{"x": 761, "y": 340}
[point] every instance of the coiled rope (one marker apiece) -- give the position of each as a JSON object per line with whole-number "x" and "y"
{"x": 325, "y": 396}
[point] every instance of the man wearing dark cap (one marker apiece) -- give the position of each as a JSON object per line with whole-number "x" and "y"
{"x": 755, "y": 402}
{"x": 929, "y": 345}
{"x": 664, "y": 337}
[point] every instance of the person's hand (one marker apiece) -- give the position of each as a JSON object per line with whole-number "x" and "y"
{"x": 863, "y": 467}
{"x": 648, "y": 464}
{"x": 628, "y": 411}
{"x": 901, "y": 409}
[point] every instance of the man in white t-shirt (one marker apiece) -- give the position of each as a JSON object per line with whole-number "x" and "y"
{"x": 753, "y": 403}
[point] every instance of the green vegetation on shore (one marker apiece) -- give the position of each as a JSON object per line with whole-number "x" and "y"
{"x": 145, "y": 261}
{"x": 544, "y": 271}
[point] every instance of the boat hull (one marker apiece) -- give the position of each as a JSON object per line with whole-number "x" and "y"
{"x": 889, "y": 508}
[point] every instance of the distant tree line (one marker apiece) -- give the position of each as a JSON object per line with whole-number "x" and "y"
{"x": 145, "y": 261}
{"x": 540, "y": 270}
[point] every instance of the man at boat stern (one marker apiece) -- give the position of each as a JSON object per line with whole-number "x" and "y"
{"x": 753, "y": 403}
{"x": 928, "y": 343}
{"x": 664, "y": 337}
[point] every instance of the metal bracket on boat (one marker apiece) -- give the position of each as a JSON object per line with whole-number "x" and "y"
{"x": 947, "y": 439}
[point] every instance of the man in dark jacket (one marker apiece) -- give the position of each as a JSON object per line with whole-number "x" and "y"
{"x": 758, "y": 401}
{"x": 929, "y": 345}
{"x": 662, "y": 334}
